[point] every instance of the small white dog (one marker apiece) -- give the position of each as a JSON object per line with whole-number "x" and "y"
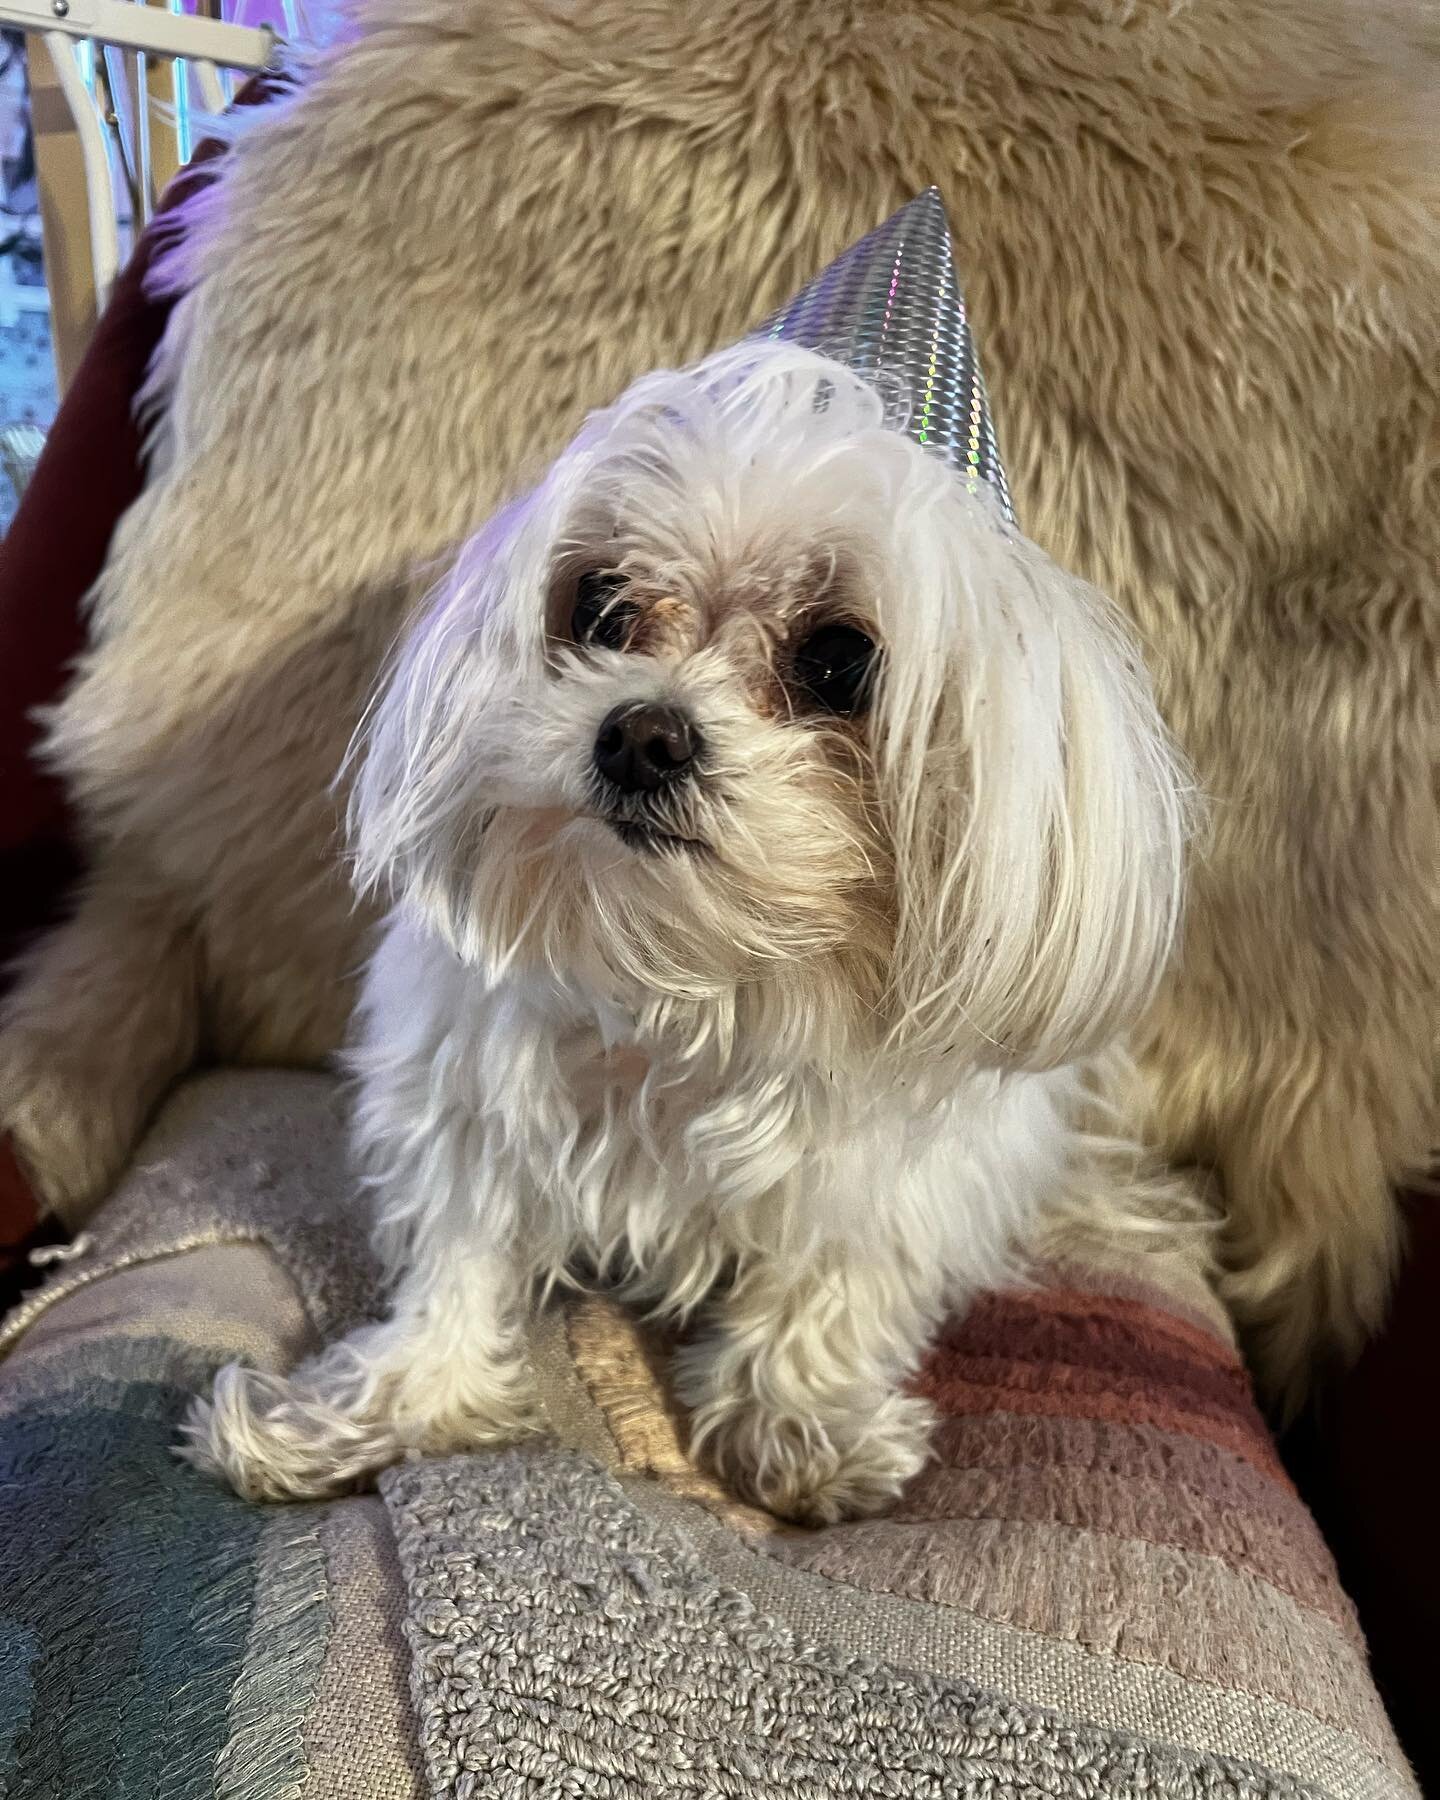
{"x": 776, "y": 840}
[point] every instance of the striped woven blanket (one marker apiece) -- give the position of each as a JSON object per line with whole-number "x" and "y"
{"x": 1103, "y": 1584}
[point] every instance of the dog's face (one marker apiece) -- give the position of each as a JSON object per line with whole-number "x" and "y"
{"x": 752, "y": 691}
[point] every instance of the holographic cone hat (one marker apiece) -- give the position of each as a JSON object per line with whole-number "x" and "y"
{"x": 891, "y": 309}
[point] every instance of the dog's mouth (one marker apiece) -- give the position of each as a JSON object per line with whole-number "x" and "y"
{"x": 643, "y": 823}
{"x": 653, "y": 840}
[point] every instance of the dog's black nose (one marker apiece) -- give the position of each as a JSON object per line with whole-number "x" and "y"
{"x": 640, "y": 748}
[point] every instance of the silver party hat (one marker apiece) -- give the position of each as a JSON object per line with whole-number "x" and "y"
{"x": 891, "y": 309}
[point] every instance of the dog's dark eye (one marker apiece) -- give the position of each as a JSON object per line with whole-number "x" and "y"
{"x": 835, "y": 666}
{"x": 602, "y": 616}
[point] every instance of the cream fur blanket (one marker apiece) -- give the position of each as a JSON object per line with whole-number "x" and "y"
{"x": 1202, "y": 248}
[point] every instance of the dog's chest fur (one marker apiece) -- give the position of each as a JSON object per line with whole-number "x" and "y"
{"x": 675, "y": 1157}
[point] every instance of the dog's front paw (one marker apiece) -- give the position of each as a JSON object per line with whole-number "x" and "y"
{"x": 331, "y": 1427}
{"x": 269, "y": 1438}
{"x": 812, "y": 1472}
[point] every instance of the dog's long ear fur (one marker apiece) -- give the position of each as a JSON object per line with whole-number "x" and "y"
{"x": 414, "y": 797}
{"x": 1037, "y": 803}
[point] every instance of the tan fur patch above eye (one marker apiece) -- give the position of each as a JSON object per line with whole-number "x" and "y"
{"x": 667, "y": 624}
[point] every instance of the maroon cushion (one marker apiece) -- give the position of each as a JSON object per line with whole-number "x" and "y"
{"x": 88, "y": 473}
{"x": 1365, "y": 1463}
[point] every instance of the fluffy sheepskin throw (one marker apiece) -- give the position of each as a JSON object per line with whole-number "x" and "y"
{"x": 1201, "y": 242}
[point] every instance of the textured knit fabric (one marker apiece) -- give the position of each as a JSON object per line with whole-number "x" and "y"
{"x": 1103, "y": 1585}
{"x": 565, "y": 1643}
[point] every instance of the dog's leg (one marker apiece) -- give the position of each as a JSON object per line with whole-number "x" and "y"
{"x": 795, "y": 1393}
{"x": 444, "y": 1372}
{"x": 104, "y": 1015}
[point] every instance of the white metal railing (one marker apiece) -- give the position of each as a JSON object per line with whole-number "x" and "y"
{"x": 110, "y": 58}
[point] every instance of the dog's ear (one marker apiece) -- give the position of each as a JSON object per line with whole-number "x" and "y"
{"x": 1036, "y": 804}
{"x": 415, "y": 814}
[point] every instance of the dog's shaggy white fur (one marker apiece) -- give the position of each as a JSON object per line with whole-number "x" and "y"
{"x": 1201, "y": 241}
{"x": 797, "y": 1031}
